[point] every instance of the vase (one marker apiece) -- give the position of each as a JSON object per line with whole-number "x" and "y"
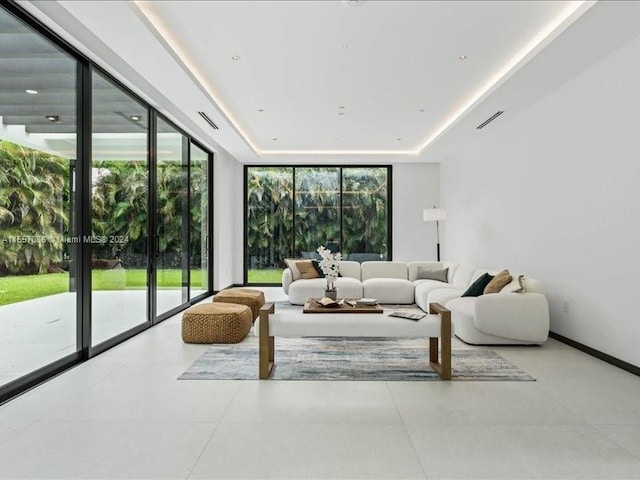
{"x": 332, "y": 294}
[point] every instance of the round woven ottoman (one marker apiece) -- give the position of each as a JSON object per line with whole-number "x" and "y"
{"x": 216, "y": 323}
{"x": 250, "y": 297}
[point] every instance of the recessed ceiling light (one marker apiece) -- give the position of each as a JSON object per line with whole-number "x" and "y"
{"x": 31, "y": 92}
{"x": 260, "y": 110}
{"x": 399, "y": 138}
{"x": 421, "y": 110}
{"x": 274, "y": 139}
{"x": 340, "y": 113}
{"x": 52, "y": 118}
{"x": 462, "y": 57}
{"x": 135, "y": 118}
{"x": 235, "y": 57}
{"x": 341, "y": 107}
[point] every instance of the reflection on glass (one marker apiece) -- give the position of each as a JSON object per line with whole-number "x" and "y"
{"x": 199, "y": 222}
{"x": 317, "y": 220}
{"x": 269, "y": 222}
{"x": 172, "y": 218}
{"x": 37, "y": 161}
{"x": 119, "y": 196}
{"x": 364, "y": 213}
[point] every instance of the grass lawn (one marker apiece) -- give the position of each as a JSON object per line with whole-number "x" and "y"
{"x": 268, "y": 275}
{"x": 26, "y": 287}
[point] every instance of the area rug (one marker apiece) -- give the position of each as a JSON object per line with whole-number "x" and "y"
{"x": 335, "y": 358}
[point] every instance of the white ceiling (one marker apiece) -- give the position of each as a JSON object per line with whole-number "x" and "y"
{"x": 393, "y": 65}
{"x": 383, "y": 61}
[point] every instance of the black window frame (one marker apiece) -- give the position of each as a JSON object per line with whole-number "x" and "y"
{"x": 84, "y": 349}
{"x": 245, "y": 208}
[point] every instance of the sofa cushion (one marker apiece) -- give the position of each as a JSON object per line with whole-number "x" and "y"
{"x": 498, "y": 282}
{"x": 316, "y": 266}
{"x": 314, "y": 288}
{"x": 477, "y": 288}
{"x": 412, "y": 268}
{"x": 428, "y": 274}
{"x": 514, "y": 286}
{"x": 306, "y": 269}
{"x": 462, "y": 276}
{"x": 443, "y": 295}
{"x": 350, "y": 269}
{"x": 291, "y": 263}
{"x": 384, "y": 270}
{"x": 422, "y": 289}
{"x": 389, "y": 290}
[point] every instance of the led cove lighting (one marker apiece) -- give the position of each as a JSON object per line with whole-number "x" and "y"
{"x": 539, "y": 41}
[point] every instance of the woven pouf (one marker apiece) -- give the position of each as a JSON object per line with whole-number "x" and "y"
{"x": 216, "y": 323}
{"x": 250, "y": 297}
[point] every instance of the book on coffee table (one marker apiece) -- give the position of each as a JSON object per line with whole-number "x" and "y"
{"x": 408, "y": 315}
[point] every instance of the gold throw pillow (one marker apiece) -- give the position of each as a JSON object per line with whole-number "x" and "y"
{"x": 306, "y": 269}
{"x": 499, "y": 281}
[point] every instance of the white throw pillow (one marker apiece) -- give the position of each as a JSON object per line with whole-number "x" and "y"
{"x": 291, "y": 263}
{"x": 515, "y": 286}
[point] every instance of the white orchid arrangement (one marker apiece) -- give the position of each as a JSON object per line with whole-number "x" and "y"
{"x": 330, "y": 266}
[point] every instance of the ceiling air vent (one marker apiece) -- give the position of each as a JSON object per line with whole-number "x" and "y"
{"x": 208, "y": 120}
{"x": 490, "y": 119}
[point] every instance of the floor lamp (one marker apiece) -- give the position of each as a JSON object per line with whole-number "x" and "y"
{"x": 435, "y": 215}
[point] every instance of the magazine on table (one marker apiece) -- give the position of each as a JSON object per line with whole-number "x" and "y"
{"x": 408, "y": 315}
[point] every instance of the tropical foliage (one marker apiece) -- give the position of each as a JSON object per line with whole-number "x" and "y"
{"x": 35, "y": 207}
{"x": 272, "y": 233}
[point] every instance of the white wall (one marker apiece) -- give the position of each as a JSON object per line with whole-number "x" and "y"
{"x": 415, "y": 187}
{"x": 553, "y": 192}
{"x": 227, "y": 174}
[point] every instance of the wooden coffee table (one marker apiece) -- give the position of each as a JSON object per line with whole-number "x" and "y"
{"x": 312, "y": 306}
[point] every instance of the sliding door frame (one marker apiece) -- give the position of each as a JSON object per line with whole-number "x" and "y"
{"x": 341, "y": 168}
{"x": 82, "y": 204}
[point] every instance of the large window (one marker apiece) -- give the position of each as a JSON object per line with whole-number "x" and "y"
{"x": 100, "y": 200}
{"x": 38, "y": 139}
{"x": 291, "y": 211}
{"x": 119, "y": 205}
{"x": 199, "y": 222}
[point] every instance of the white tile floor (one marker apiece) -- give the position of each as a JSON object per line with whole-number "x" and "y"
{"x": 124, "y": 415}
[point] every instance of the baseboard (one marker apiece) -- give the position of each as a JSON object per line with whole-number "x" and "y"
{"x": 233, "y": 285}
{"x": 598, "y": 354}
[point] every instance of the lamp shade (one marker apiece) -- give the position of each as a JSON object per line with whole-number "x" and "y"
{"x": 434, "y": 214}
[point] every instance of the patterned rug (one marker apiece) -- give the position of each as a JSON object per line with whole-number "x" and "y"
{"x": 334, "y": 358}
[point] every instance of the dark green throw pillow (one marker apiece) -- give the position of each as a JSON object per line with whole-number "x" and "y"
{"x": 316, "y": 265}
{"x": 477, "y": 288}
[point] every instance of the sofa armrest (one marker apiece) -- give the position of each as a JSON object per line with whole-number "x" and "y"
{"x": 287, "y": 278}
{"x": 521, "y": 316}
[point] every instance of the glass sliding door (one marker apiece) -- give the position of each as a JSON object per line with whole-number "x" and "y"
{"x": 119, "y": 206}
{"x": 38, "y": 148}
{"x": 172, "y": 218}
{"x": 198, "y": 221}
{"x": 269, "y": 222}
{"x": 317, "y": 210}
{"x": 364, "y": 213}
{"x": 291, "y": 211}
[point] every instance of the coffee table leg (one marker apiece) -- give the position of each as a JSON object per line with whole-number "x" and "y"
{"x": 266, "y": 343}
{"x": 444, "y": 366}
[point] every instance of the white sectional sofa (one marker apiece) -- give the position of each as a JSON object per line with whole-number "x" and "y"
{"x": 494, "y": 318}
